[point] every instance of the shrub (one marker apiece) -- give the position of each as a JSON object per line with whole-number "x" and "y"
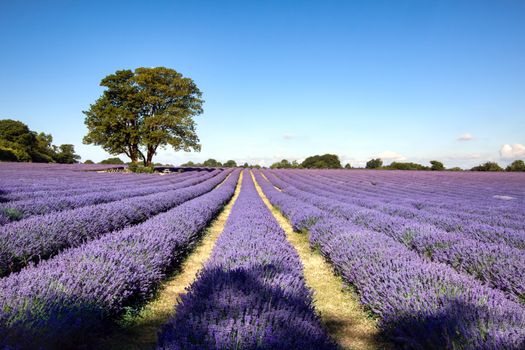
{"x": 139, "y": 168}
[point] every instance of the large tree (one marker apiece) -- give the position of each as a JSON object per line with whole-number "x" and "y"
{"x": 143, "y": 110}
{"x": 330, "y": 161}
{"x": 375, "y": 163}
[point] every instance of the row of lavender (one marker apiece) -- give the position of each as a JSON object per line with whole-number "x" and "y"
{"x": 251, "y": 294}
{"x": 501, "y": 266}
{"x": 44, "y": 202}
{"x": 430, "y": 201}
{"x": 421, "y": 304}
{"x": 30, "y": 176}
{"x": 64, "y": 301}
{"x": 40, "y": 237}
{"x": 489, "y": 198}
{"x": 486, "y": 194}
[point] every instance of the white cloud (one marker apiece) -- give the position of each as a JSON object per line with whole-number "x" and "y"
{"x": 516, "y": 150}
{"x": 389, "y": 155}
{"x": 288, "y": 136}
{"x": 465, "y": 137}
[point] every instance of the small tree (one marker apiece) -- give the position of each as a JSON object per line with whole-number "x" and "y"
{"x": 488, "y": 166}
{"x": 348, "y": 166}
{"x": 283, "y": 164}
{"x": 114, "y": 160}
{"x": 230, "y": 164}
{"x": 143, "y": 110}
{"x": 326, "y": 161}
{"x": 436, "y": 165}
{"x": 211, "y": 163}
{"x": 517, "y": 165}
{"x": 374, "y": 163}
{"x": 66, "y": 154}
{"x": 190, "y": 164}
{"x": 89, "y": 161}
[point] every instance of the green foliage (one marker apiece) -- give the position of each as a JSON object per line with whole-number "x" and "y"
{"x": 326, "y": 161}
{"x": 66, "y": 154}
{"x": 140, "y": 168}
{"x": 8, "y": 154}
{"x": 488, "y": 166}
{"x": 348, "y": 166}
{"x": 89, "y": 161}
{"x": 283, "y": 164}
{"x": 12, "y": 214}
{"x": 456, "y": 168}
{"x": 189, "y": 164}
{"x": 375, "y": 163}
{"x": 211, "y": 163}
{"x": 406, "y": 166}
{"x": 113, "y": 160}
{"x": 517, "y": 165}
{"x": 230, "y": 164}
{"x": 436, "y": 165}
{"x": 19, "y": 144}
{"x": 142, "y": 110}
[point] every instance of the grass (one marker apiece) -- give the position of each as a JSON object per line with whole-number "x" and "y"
{"x": 338, "y": 306}
{"x": 139, "y": 331}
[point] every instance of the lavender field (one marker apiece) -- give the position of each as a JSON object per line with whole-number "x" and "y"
{"x": 434, "y": 259}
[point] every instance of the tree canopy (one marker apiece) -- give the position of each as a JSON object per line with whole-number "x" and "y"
{"x": 143, "y": 110}
{"x": 325, "y": 161}
{"x": 517, "y": 165}
{"x": 211, "y": 163}
{"x": 488, "y": 166}
{"x": 374, "y": 163}
{"x": 113, "y": 160}
{"x": 436, "y": 165}
{"x": 230, "y": 164}
{"x": 20, "y": 144}
{"x": 406, "y": 166}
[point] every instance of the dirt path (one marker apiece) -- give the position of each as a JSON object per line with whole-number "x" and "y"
{"x": 140, "y": 331}
{"x": 339, "y": 308}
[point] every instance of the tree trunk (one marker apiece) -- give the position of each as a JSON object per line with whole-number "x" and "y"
{"x": 133, "y": 154}
{"x": 150, "y": 154}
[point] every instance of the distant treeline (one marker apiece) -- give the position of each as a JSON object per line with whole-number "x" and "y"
{"x": 20, "y": 144}
{"x": 214, "y": 163}
{"x": 331, "y": 161}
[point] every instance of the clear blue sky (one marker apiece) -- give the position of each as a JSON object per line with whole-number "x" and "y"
{"x": 285, "y": 79}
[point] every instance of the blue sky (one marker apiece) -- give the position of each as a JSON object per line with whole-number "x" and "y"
{"x": 404, "y": 80}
